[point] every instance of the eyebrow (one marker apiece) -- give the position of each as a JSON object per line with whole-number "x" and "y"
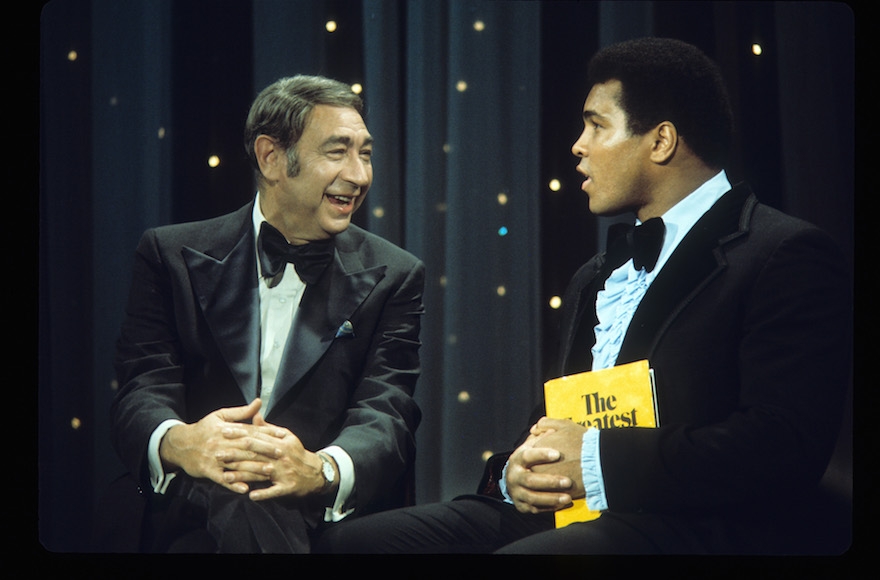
{"x": 589, "y": 113}
{"x": 345, "y": 140}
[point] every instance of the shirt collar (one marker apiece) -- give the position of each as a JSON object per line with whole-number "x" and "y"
{"x": 681, "y": 217}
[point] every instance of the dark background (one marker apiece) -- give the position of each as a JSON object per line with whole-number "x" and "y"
{"x": 156, "y": 86}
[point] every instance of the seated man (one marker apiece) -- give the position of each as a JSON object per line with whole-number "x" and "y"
{"x": 268, "y": 358}
{"x": 744, "y": 314}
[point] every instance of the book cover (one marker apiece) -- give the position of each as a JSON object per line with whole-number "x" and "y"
{"x": 618, "y": 397}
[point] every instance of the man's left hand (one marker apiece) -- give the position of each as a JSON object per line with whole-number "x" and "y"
{"x": 292, "y": 470}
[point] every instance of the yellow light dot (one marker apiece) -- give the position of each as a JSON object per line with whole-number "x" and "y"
{"x": 357, "y": 88}
{"x": 487, "y": 454}
{"x": 442, "y": 280}
{"x": 330, "y": 26}
{"x": 756, "y": 49}
{"x": 75, "y": 423}
{"x": 452, "y": 339}
{"x": 213, "y": 161}
{"x": 479, "y": 26}
{"x": 555, "y": 302}
{"x": 447, "y": 148}
{"x": 464, "y": 397}
{"x": 379, "y": 212}
{"x": 502, "y": 199}
{"x": 501, "y": 290}
{"x": 555, "y": 185}
{"x": 114, "y": 385}
{"x": 72, "y": 55}
{"x": 461, "y": 86}
{"x": 161, "y": 132}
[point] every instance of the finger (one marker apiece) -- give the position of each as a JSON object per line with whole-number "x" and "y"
{"x": 238, "y": 414}
{"x": 536, "y": 502}
{"x": 539, "y": 455}
{"x": 547, "y": 424}
{"x": 247, "y": 472}
{"x": 252, "y": 450}
{"x": 273, "y": 491}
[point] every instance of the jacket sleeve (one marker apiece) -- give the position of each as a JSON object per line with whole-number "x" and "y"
{"x": 759, "y": 428}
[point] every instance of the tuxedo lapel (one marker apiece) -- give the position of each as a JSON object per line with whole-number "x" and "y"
{"x": 324, "y": 308}
{"x": 227, "y": 292}
{"x": 696, "y": 261}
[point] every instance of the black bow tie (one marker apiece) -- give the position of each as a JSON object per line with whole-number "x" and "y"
{"x": 310, "y": 259}
{"x": 644, "y": 241}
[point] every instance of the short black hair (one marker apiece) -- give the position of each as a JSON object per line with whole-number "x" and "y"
{"x": 664, "y": 79}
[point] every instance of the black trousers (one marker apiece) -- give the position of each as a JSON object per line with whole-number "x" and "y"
{"x": 475, "y": 524}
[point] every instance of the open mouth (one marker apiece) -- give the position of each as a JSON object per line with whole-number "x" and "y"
{"x": 341, "y": 200}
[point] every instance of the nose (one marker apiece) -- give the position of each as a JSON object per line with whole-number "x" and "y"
{"x": 357, "y": 171}
{"x": 579, "y": 149}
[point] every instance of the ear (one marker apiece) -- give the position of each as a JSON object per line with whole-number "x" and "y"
{"x": 665, "y": 144}
{"x": 270, "y": 157}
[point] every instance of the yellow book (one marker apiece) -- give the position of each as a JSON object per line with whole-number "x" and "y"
{"x": 617, "y": 397}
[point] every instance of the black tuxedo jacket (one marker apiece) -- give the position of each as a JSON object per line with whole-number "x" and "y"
{"x": 748, "y": 330}
{"x": 191, "y": 338}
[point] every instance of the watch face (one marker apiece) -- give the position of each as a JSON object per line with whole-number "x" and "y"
{"x": 328, "y": 470}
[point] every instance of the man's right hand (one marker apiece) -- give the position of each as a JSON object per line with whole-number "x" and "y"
{"x": 202, "y": 449}
{"x": 534, "y": 492}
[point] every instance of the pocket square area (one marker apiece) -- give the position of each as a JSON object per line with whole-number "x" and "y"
{"x": 346, "y": 330}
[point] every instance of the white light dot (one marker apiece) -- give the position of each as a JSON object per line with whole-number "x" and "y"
{"x": 555, "y": 302}
{"x": 756, "y": 49}
{"x": 72, "y": 55}
{"x": 330, "y": 26}
{"x": 502, "y": 199}
{"x": 487, "y": 454}
{"x": 555, "y": 185}
{"x": 461, "y": 86}
{"x": 213, "y": 161}
{"x": 479, "y": 26}
{"x": 501, "y": 290}
{"x": 464, "y": 397}
{"x": 379, "y": 212}
{"x": 357, "y": 88}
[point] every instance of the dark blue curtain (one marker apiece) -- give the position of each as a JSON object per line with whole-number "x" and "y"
{"x": 474, "y": 105}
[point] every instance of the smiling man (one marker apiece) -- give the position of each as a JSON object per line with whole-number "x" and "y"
{"x": 268, "y": 358}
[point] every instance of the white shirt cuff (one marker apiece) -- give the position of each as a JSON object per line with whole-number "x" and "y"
{"x": 346, "y": 484}
{"x": 158, "y": 478}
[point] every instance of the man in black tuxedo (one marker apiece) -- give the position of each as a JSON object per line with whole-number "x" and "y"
{"x": 262, "y": 393}
{"x": 744, "y": 314}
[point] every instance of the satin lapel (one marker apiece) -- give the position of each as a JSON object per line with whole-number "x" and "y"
{"x": 325, "y": 306}
{"x": 696, "y": 261}
{"x": 228, "y": 295}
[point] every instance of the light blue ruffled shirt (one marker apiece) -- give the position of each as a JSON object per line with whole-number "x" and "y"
{"x": 617, "y": 302}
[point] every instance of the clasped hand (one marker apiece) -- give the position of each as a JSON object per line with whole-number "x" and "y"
{"x": 544, "y": 473}
{"x": 223, "y": 448}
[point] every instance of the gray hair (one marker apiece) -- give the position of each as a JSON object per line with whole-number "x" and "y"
{"x": 281, "y": 110}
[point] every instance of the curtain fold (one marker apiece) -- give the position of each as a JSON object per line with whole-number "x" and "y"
{"x": 453, "y": 101}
